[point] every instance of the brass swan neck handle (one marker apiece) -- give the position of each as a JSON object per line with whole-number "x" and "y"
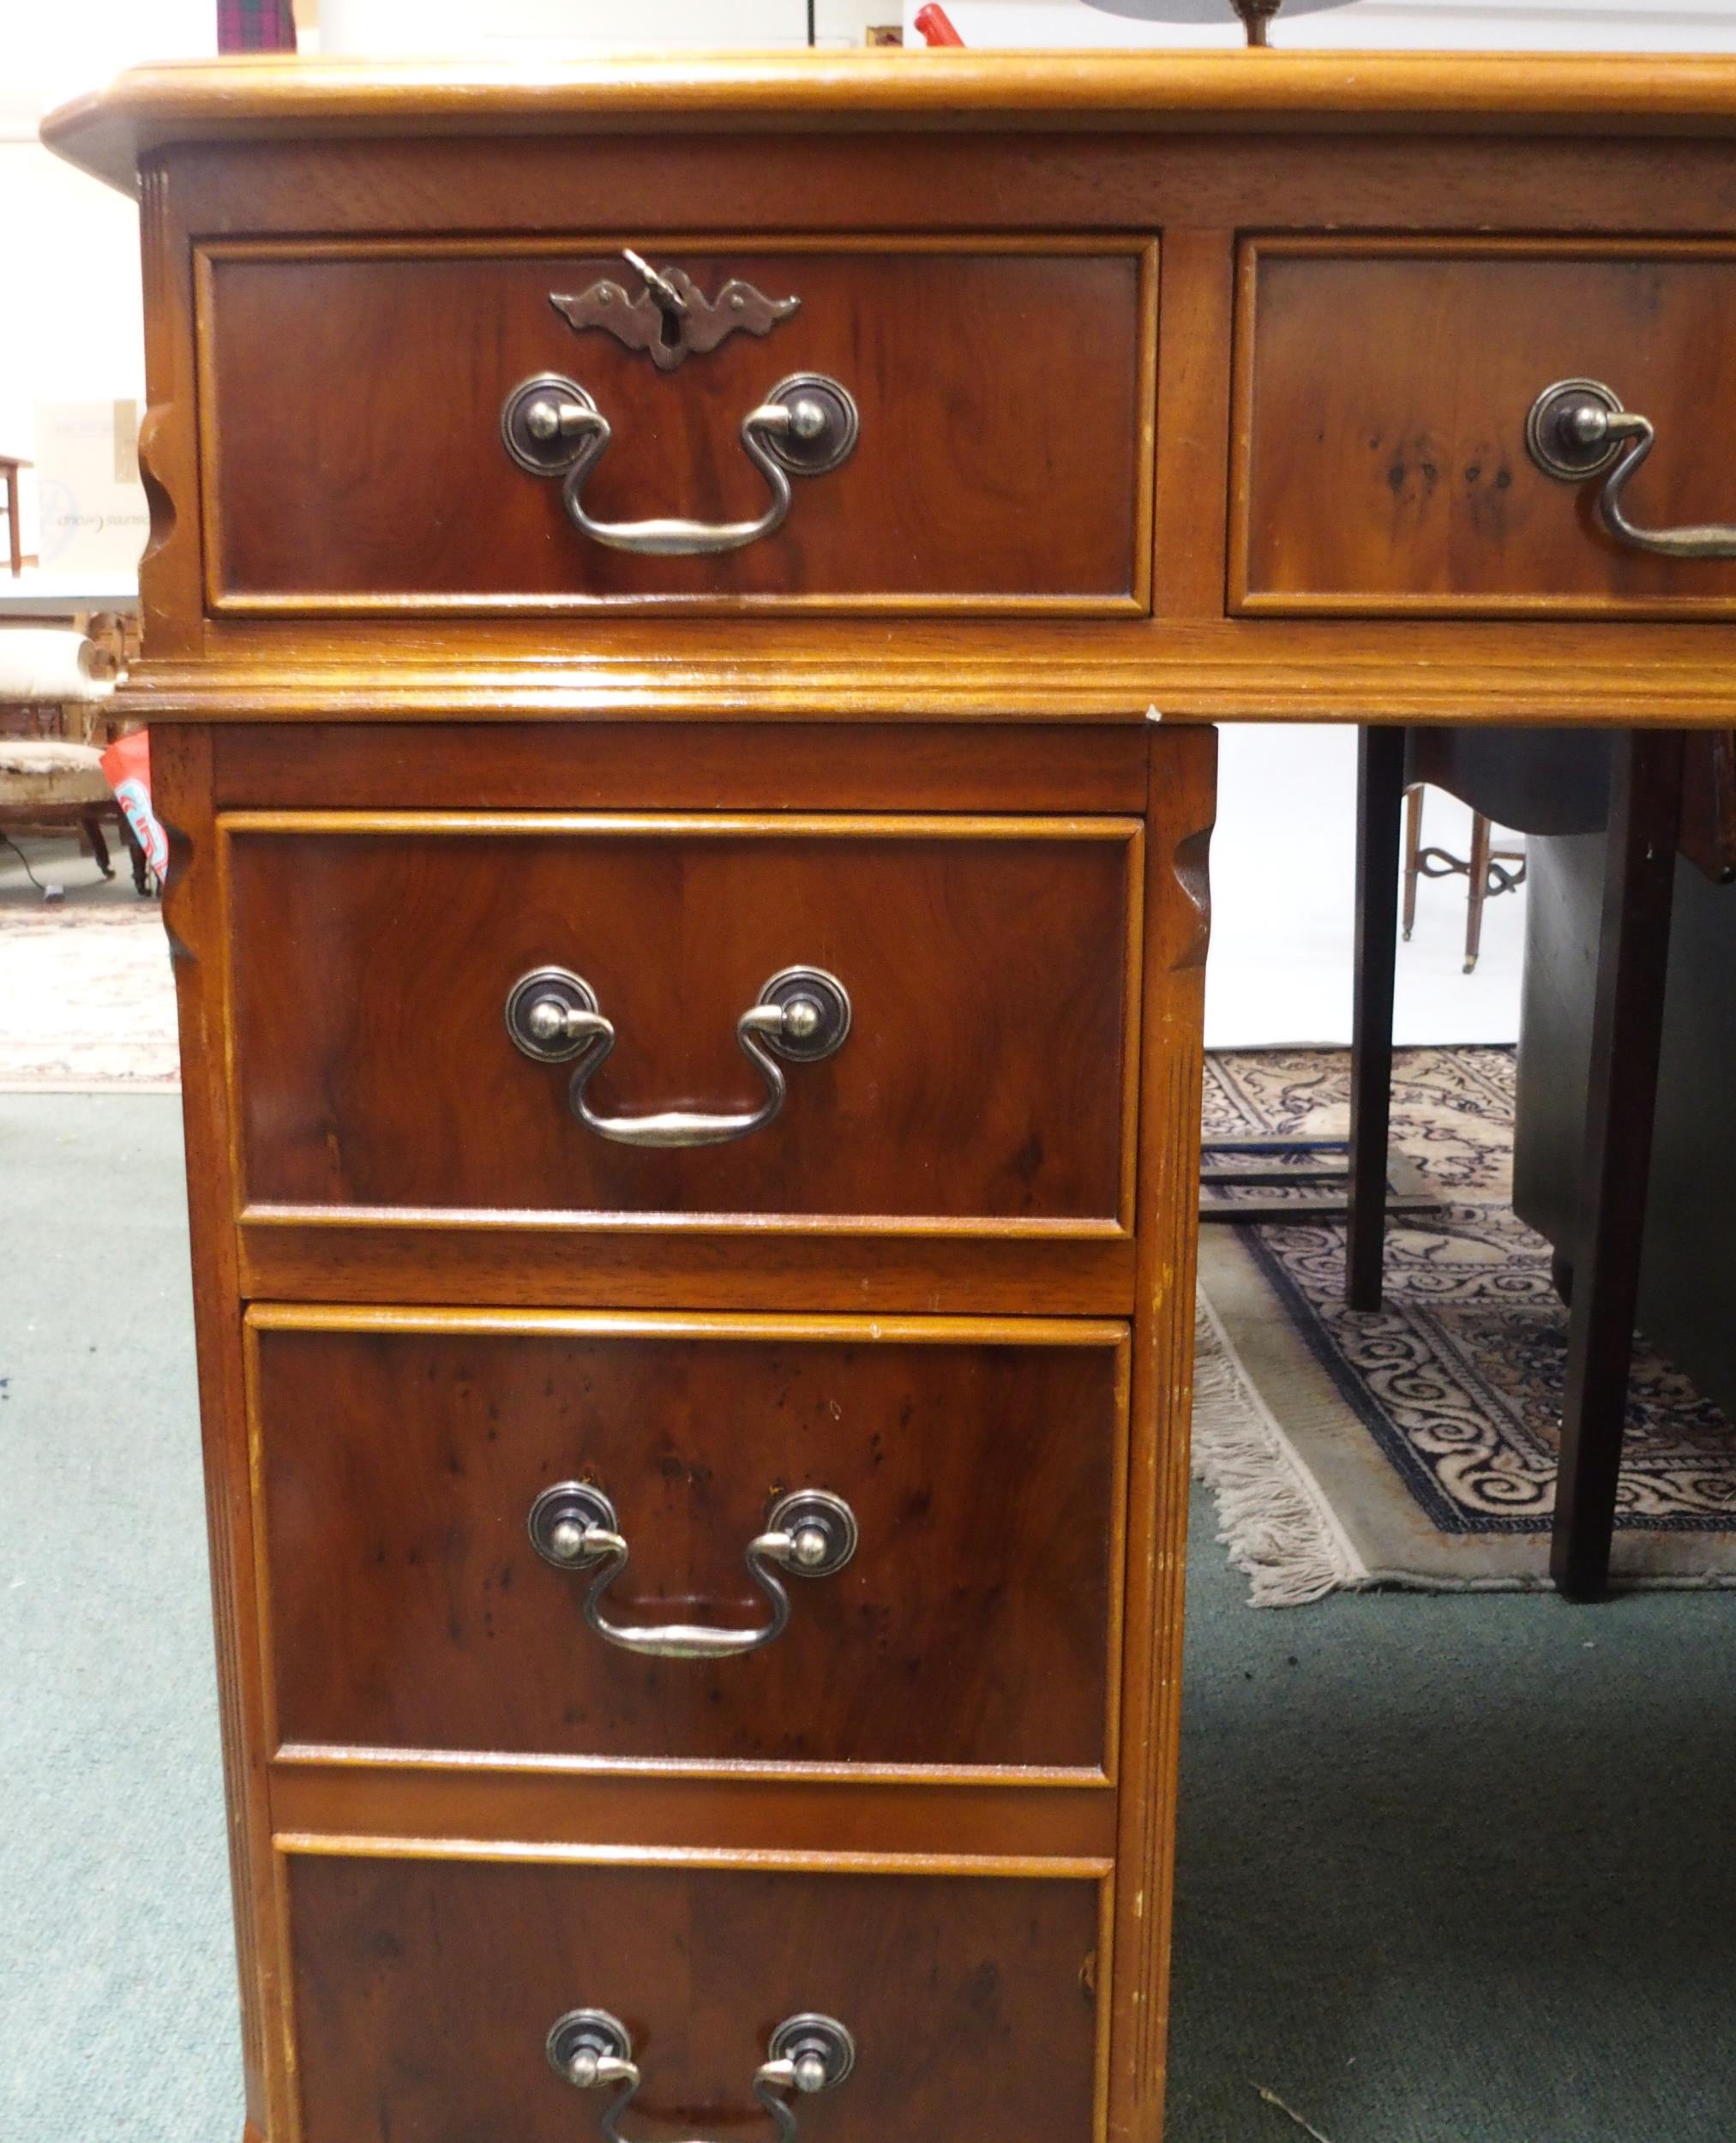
{"x": 1579, "y": 430}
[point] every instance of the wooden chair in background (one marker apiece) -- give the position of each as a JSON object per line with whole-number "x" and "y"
{"x": 1489, "y": 871}
{"x": 9, "y": 466}
{"x": 55, "y": 785}
{"x": 51, "y": 778}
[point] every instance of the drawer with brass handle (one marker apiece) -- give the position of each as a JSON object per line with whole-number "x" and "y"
{"x": 832, "y": 424}
{"x": 543, "y": 2002}
{"x": 715, "y": 1540}
{"x": 828, "y": 1019}
{"x": 1438, "y": 426}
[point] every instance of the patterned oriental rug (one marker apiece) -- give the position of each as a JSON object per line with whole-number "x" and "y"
{"x": 1416, "y": 1445}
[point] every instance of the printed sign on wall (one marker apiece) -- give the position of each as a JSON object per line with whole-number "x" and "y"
{"x": 90, "y": 514}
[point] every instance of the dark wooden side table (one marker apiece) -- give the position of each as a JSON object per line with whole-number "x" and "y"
{"x": 1649, "y": 794}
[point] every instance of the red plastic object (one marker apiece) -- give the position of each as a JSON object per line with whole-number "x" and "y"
{"x": 127, "y": 763}
{"x": 935, "y": 28}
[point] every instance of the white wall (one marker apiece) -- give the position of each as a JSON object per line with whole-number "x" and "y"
{"x": 68, "y": 247}
{"x": 1585, "y": 26}
{"x": 1283, "y": 910}
{"x": 380, "y": 25}
{"x": 49, "y": 53}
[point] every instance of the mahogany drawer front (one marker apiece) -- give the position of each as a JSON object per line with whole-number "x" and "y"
{"x": 423, "y": 1993}
{"x": 399, "y": 1457}
{"x": 1003, "y": 395}
{"x": 985, "y": 1083}
{"x": 1380, "y": 413}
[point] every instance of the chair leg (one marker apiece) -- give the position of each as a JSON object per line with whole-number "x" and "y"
{"x": 1413, "y": 854}
{"x": 1380, "y": 794}
{"x": 99, "y": 847}
{"x": 1477, "y": 873}
{"x": 135, "y": 856}
{"x": 1627, "y": 1023}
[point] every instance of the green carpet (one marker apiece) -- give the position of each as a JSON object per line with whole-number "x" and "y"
{"x": 117, "y": 2017}
{"x": 1454, "y": 1869}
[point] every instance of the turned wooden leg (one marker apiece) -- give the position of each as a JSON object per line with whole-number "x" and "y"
{"x": 1380, "y": 794}
{"x": 135, "y": 856}
{"x": 1482, "y": 840}
{"x": 1627, "y": 1022}
{"x": 1413, "y": 853}
{"x": 98, "y": 847}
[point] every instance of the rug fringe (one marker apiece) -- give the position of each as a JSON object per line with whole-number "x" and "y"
{"x": 1278, "y": 1530}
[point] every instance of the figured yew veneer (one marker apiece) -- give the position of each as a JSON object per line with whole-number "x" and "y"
{"x": 407, "y": 1608}
{"x": 1033, "y": 769}
{"x": 1191, "y": 386}
{"x": 1380, "y": 417}
{"x": 964, "y": 490}
{"x": 414, "y": 1981}
{"x": 986, "y": 1078}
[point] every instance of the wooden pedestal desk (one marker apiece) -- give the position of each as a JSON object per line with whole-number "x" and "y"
{"x": 685, "y": 606}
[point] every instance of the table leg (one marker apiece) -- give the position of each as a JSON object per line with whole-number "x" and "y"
{"x": 1413, "y": 854}
{"x": 1627, "y": 1022}
{"x": 1477, "y": 876}
{"x": 1379, "y": 798}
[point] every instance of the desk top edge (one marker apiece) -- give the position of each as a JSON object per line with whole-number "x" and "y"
{"x": 278, "y": 98}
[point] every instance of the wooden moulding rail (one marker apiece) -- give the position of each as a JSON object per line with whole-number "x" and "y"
{"x": 1316, "y": 92}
